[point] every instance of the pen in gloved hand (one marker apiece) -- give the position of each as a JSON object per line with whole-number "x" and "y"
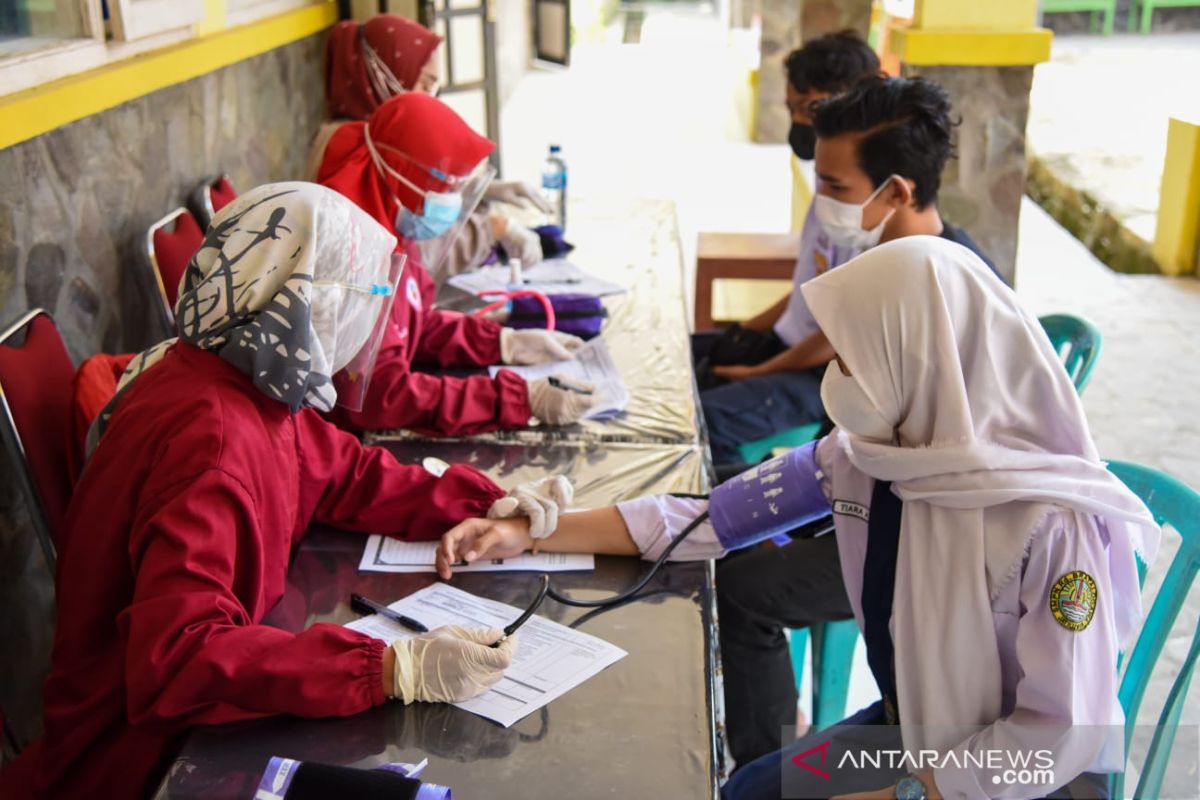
{"x": 363, "y": 605}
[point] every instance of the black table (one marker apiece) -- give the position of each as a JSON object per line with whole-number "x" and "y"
{"x": 643, "y": 728}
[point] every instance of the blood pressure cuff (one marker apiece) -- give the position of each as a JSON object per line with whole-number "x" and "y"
{"x": 774, "y": 497}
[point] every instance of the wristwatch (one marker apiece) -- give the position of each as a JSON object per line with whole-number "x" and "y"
{"x": 910, "y": 787}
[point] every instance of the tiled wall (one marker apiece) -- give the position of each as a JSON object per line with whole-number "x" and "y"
{"x": 75, "y": 203}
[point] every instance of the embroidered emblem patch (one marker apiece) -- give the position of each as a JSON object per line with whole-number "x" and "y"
{"x": 1073, "y": 600}
{"x": 849, "y": 509}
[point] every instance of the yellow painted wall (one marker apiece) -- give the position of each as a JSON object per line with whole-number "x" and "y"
{"x": 974, "y": 14}
{"x": 33, "y": 112}
{"x": 1177, "y": 233}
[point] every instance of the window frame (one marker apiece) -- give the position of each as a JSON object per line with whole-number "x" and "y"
{"x": 70, "y": 57}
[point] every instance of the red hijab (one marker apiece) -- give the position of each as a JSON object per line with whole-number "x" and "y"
{"x": 421, "y": 127}
{"x": 401, "y": 44}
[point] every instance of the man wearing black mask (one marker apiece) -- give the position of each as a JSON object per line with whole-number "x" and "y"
{"x": 752, "y": 407}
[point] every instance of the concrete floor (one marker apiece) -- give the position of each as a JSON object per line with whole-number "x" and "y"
{"x": 663, "y": 119}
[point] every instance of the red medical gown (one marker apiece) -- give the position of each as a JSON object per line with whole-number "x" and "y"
{"x": 180, "y": 531}
{"x": 400, "y": 397}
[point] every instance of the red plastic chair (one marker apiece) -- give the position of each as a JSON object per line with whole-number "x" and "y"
{"x": 209, "y": 197}
{"x": 170, "y": 244}
{"x": 35, "y": 398}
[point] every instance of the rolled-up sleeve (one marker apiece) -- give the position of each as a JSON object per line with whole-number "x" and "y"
{"x": 655, "y": 521}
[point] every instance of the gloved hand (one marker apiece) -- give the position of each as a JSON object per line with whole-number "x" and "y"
{"x": 522, "y": 244}
{"x": 540, "y": 500}
{"x": 536, "y": 346}
{"x": 450, "y": 664}
{"x": 560, "y": 406}
{"x": 517, "y": 193}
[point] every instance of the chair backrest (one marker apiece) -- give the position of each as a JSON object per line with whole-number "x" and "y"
{"x": 1158, "y": 755}
{"x": 1172, "y": 503}
{"x": 170, "y": 244}
{"x": 213, "y": 194}
{"x": 1077, "y": 342}
{"x": 35, "y": 395}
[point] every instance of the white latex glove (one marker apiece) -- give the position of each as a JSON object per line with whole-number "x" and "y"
{"x": 541, "y": 501}
{"x": 517, "y": 193}
{"x": 535, "y": 346}
{"x": 522, "y": 244}
{"x": 450, "y": 664}
{"x": 560, "y": 406}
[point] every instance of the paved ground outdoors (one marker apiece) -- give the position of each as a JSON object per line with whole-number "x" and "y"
{"x": 661, "y": 119}
{"x": 1098, "y": 115}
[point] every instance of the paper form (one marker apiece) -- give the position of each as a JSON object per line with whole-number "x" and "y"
{"x": 551, "y": 659}
{"x": 385, "y": 554}
{"x": 592, "y": 363}
{"x": 553, "y": 276}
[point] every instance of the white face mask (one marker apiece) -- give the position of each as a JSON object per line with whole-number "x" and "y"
{"x": 844, "y": 221}
{"x": 849, "y": 407}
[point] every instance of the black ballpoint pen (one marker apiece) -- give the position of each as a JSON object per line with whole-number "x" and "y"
{"x": 363, "y": 605}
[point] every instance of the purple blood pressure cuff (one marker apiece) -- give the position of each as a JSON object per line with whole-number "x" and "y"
{"x": 776, "y": 496}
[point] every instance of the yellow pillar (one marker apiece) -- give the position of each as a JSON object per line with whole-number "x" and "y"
{"x": 982, "y": 52}
{"x": 1177, "y": 232}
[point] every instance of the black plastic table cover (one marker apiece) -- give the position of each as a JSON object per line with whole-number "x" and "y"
{"x": 643, "y": 728}
{"x": 635, "y": 244}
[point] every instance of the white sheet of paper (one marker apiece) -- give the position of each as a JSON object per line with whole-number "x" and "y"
{"x": 551, "y": 659}
{"x": 385, "y": 554}
{"x": 553, "y": 276}
{"x": 593, "y": 363}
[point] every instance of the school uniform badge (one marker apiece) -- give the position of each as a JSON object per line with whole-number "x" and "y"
{"x": 1073, "y": 600}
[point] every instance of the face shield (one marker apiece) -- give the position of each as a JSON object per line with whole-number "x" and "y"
{"x": 444, "y": 211}
{"x": 352, "y": 295}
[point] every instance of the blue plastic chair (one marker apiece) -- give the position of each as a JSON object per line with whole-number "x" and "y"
{"x": 1172, "y": 503}
{"x": 1077, "y": 342}
{"x": 756, "y": 451}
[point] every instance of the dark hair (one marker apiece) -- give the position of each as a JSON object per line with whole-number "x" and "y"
{"x": 831, "y": 63}
{"x": 907, "y": 127}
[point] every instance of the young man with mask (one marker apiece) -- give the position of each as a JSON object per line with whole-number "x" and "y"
{"x": 825, "y": 67}
{"x": 880, "y": 153}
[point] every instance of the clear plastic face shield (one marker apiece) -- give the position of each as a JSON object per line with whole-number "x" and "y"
{"x": 444, "y": 211}
{"x": 350, "y": 315}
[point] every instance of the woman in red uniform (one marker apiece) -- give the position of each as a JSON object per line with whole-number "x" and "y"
{"x": 211, "y": 463}
{"x": 418, "y": 169}
{"x": 365, "y": 64}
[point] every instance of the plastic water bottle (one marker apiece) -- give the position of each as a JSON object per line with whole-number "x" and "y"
{"x": 554, "y": 185}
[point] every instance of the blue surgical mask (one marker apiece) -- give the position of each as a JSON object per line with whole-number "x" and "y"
{"x": 442, "y": 210}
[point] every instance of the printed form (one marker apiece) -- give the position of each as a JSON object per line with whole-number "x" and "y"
{"x": 551, "y": 660}
{"x": 385, "y": 554}
{"x": 592, "y": 363}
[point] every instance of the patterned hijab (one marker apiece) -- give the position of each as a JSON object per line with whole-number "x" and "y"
{"x": 368, "y": 63}
{"x": 286, "y": 287}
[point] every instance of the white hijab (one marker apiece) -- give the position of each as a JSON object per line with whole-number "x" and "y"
{"x": 989, "y": 429}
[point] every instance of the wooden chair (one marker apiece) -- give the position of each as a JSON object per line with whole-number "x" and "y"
{"x": 746, "y": 256}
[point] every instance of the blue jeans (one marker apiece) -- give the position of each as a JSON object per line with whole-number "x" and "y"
{"x": 756, "y": 408}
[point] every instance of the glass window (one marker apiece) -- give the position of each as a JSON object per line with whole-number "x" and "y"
{"x": 29, "y": 25}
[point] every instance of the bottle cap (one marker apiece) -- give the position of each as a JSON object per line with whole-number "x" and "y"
{"x": 555, "y": 148}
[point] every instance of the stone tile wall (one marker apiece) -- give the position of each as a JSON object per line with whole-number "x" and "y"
{"x": 982, "y": 188}
{"x": 75, "y": 203}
